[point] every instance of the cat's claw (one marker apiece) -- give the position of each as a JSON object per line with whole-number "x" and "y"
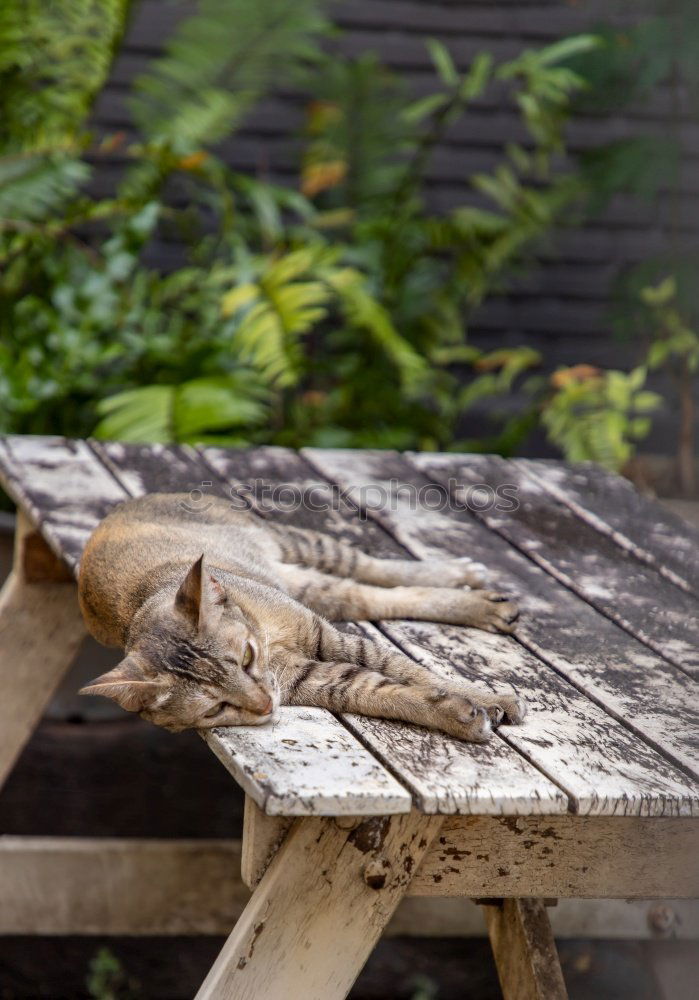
{"x": 506, "y": 709}
{"x": 496, "y": 714}
{"x": 478, "y": 721}
{"x": 480, "y": 729}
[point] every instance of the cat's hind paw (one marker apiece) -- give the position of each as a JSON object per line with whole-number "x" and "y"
{"x": 478, "y": 718}
{"x": 464, "y": 572}
{"x": 462, "y": 718}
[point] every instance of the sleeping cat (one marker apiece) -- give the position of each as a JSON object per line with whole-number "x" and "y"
{"x": 224, "y": 638}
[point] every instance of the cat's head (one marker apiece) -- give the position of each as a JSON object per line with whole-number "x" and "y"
{"x": 196, "y": 665}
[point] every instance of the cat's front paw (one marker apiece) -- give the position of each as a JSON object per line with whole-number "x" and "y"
{"x": 495, "y": 612}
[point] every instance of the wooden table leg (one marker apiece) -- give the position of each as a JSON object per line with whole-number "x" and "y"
{"x": 262, "y": 837}
{"x": 40, "y": 632}
{"x": 320, "y": 908}
{"x": 524, "y": 950}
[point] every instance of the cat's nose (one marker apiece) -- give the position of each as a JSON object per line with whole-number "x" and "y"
{"x": 266, "y": 709}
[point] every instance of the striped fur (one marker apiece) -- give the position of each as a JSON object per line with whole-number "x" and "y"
{"x": 223, "y": 617}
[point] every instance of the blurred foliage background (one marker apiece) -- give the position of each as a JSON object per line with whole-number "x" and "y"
{"x": 334, "y": 312}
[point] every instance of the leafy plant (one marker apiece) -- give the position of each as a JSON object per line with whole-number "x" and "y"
{"x": 54, "y": 58}
{"x": 675, "y": 347}
{"x": 189, "y": 411}
{"x": 197, "y": 92}
{"x": 108, "y": 980}
{"x": 423, "y": 988}
{"x": 80, "y": 315}
{"x": 598, "y": 415}
{"x": 661, "y": 47}
{"x": 402, "y": 277}
{"x": 337, "y": 313}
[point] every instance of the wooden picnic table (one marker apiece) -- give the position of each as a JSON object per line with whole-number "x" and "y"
{"x": 595, "y": 795}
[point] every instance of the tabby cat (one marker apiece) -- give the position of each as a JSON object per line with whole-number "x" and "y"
{"x": 224, "y": 638}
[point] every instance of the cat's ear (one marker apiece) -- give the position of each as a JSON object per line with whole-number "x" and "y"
{"x": 128, "y": 685}
{"x": 201, "y": 598}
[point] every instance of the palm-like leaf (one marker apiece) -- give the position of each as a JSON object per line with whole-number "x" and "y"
{"x": 283, "y": 303}
{"x": 364, "y": 311}
{"x": 34, "y": 184}
{"x": 296, "y": 293}
{"x": 189, "y": 412}
{"x": 54, "y": 58}
{"x": 217, "y": 63}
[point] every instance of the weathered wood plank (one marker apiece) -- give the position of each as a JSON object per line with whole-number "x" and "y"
{"x": 34, "y": 561}
{"x": 610, "y": 578}
{"x": 263, "y": 835}
{"x": 117, "y": 886}
{"x": 156, "y": 468}
{"x": 61, "y": 486}
{"x": 447, "y": 776}
{"x": 604, "y": 769}
{"x": 444, "y": 774}
{"x": 320, "y": 909}
{"x": 611, "y": 505}
{"x": 625, "y": 918}
{"x": 524, "y": 950}
{"x": 598, "y": 762}
{"x": 357, "y": 529}
{"x": 562, "y": 856}
{"x": 41, "y": 630}
{"x": 124, "y": 886}
{"x": 305, "y": 764}
{"x": 650, "y": 696}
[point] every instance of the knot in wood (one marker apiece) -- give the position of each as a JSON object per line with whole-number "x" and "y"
{"x": 376, "y": 871}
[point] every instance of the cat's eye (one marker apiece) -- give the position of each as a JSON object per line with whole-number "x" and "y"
{"x": 247, "y": 656}
{"x": 221, "y": 706}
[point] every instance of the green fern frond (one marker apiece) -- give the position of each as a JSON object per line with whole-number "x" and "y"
{"x": 360, "y": 126}
{"x": 599, "y": 418}
{"x": 188, "y": 412}
{"x": 33, "y": 185}
{"x": 275, "y": 310}
{"x": 363, "y": 310}
{"x": 54, "y": 58}
{"x": 291, "y": 295}
{"x": 217, "y": 63}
